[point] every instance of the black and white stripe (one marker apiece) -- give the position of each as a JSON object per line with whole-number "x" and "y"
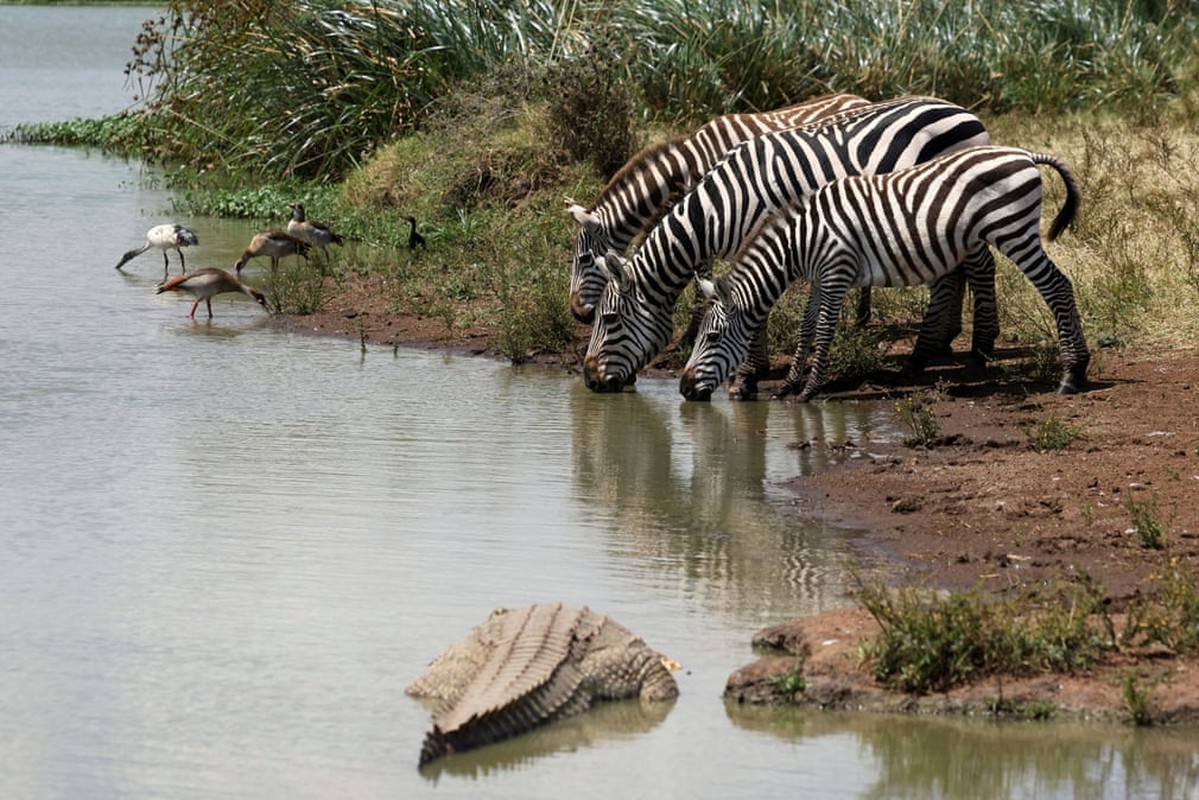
{"x": 659, "y": 175}
{"x": 900, "y": 229}
{"x": 757, "y": 178}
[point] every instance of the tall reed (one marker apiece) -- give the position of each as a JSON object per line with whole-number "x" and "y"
{"x": 310, "y": 88}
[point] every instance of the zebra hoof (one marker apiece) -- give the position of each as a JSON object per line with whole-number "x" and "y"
{"x": 974, "y": 369}
{"x": 743, "y": 391}
{"x": 1073, "y": 381}
{"x": 914, "y": 367}
{"x": 1070, "y": 387}
{"x": 785, "y": 392}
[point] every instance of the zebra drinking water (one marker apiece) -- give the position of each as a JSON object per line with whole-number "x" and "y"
{"x": 657, "y": 176}
{"x": 900, "y": 229}
{"x": 754, "y": 180}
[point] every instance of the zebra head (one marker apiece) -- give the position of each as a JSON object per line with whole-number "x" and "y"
{"x": 587, "y": 277}
{"x": 721, "y": 342}
{"x": 628, "y": 331}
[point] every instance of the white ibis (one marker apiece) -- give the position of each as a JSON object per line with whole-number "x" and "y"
{"x": 164, "y": 237}
{"x": 205, "y": 284}
{"x": 274, "y": 245}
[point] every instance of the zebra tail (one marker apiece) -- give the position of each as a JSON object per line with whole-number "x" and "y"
{"x": 1073, "y": 196}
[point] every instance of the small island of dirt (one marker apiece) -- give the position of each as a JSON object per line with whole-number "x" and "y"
{"x": 981, "y": 507}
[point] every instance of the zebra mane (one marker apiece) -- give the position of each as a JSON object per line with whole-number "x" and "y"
{"x": 635, "y": 165}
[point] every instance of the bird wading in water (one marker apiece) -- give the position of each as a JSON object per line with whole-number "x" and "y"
{"x": 164, "y": 237}
{"x": 273, "y": 245}
{"x": 205, "y": 284}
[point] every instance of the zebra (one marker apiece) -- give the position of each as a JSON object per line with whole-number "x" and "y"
{"x": 657, "y": 176}
{"x": 758, "y": 177}
{"x": 900, "y": 229}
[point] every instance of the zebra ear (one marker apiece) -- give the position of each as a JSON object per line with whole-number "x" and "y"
{"x": 723, "y": 290}
{"x": 590, "y": 222}
{"x": 706, "y": 288}
{"x": 614, "y": 264}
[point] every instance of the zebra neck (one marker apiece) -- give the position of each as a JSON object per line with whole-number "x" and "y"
{"x": 645, "y": 188}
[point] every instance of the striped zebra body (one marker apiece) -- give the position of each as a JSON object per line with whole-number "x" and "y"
{"x": 755, "y": 180}
{"x": 660, "y": 174}
{"x": 901, "y": 229}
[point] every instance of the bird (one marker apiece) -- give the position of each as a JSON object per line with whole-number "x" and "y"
{"x": 274, "y": 245}
{"x": 414, "y": 238}
{"x": 316, "y": 234}
{"x": 169, "y": 236}
{"x": 205, "y": 284}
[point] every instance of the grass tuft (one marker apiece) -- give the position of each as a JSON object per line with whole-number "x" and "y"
{"x": 933, "y": 643}
{"x": 1053, "y": 434}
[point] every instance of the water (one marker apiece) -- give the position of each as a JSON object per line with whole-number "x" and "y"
{"x": 225, "y": 550}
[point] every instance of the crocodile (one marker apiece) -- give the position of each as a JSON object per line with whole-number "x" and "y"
{"x": 522, "y": 668}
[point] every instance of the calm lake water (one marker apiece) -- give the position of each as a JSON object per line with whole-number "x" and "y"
{"x": 225, "y": 550}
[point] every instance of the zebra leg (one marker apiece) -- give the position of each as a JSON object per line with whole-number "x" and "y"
{"x": 1058, "y": 294}
{"x": 979, "y": 269}
{"x": 832, "y": 298}
{"x": 755, "y": 366}
{"x": 807, "y": 332}
{"x": 698, "y": 308}
{"x": 937, "y": 328}
{"x": 862, "y": 313}
{"x": 942, "y": 320}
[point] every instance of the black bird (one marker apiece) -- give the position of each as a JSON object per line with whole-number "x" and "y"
{"x": 415, "y": 239}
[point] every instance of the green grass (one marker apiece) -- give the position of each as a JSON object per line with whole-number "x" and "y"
{"x": 918, "y": 413}
{"x": 1147, "y": 522}
{"x": 1167, "y": 612}
{"x": 1053, "y": 434}
{"x": 933, "y": 643}
{"x": 790, "y": 683}
{"x": 1137, "y": 701}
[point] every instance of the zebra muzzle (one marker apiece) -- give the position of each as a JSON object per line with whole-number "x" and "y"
{"x": 581, "y": 311}
{"x": 691, "y": 390}
{"x": 596, "y": 379}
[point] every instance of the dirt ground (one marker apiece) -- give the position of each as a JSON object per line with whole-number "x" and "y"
{"x": 980, "y": 507}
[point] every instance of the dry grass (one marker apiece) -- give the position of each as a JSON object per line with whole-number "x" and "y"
{"x": 1133, "y": 253}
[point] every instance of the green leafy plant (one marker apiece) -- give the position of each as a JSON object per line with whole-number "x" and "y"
{"x": 1167, "y": 612}
{"x": 1137, "y": 700}
{"x": 931, "y": 643}
{"x": 1053, "y": 434}
{"x": 790, "y": 683}
{"x": 918, "y": 413}
{"x": 1147, "y": 523}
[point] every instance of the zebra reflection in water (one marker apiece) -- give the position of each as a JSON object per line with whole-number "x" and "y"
{"x": 690, "y": 492}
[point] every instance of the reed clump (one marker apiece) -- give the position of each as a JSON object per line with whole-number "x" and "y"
{"x": 311, "y": 88}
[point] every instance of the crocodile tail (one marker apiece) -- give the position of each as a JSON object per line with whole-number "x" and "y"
{"x": 435, "y": 746}
{"x": 563, "y": 695}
